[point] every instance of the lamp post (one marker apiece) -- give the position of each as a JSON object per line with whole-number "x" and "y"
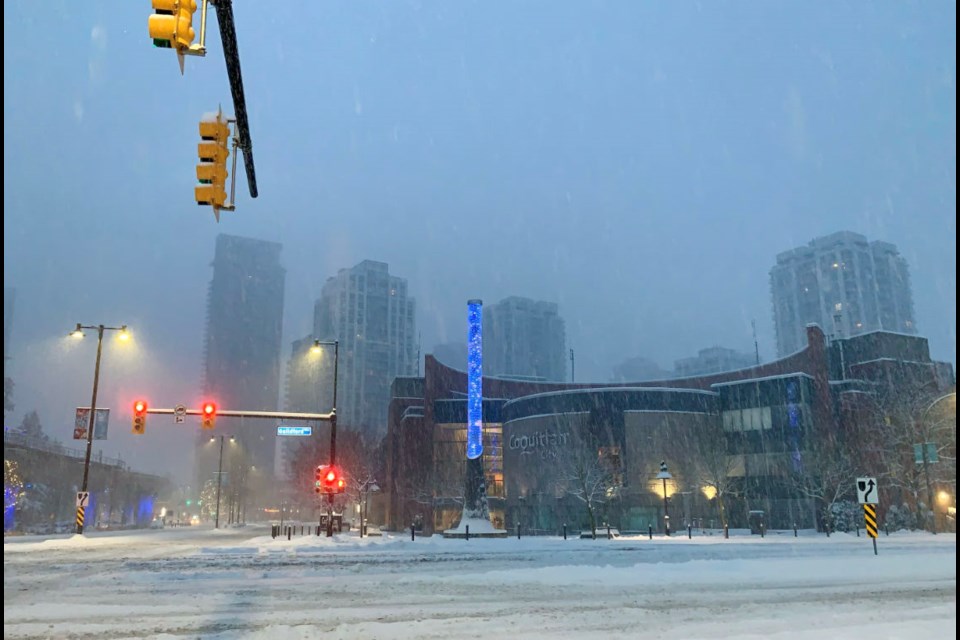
{"x": 925, "y": 458}
{"x": 78, "y": 333}
{"x": 216, "y": 519}
{"x": 317, "y": 344}
{"x": 366, "y": 487}
{"x": 664, "y": 475}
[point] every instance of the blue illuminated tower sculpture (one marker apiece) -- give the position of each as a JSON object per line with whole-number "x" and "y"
{"x": 475, "y": 496}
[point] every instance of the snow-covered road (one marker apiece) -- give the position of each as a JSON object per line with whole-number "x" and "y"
{"x": 240, "y": 583}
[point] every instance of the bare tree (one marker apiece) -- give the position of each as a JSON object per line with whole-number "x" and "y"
{"x": 711, "y": 465}
{"x": 586, "y": 474}
{"x": 916, "y": 418}
{"x": 31, "y": 427}
{"x": 827, "y": 474}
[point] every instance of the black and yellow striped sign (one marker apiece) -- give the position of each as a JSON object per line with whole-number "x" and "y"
{"x": 870, "y": 517}
{"x": 80, "y": 511}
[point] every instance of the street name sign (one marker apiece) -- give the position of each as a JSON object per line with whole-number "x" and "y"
{"x": 283, "y": 430}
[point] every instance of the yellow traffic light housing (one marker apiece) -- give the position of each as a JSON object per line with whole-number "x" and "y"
{"x": 139, "y": 417}
{"x": 162, "y": 25}
{"x": 212, "y": 171}
{"x": 185, "y": 32}
{"x": 171, "y": 27}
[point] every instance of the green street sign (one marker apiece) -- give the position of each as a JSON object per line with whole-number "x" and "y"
{"x": 931, "y": 453}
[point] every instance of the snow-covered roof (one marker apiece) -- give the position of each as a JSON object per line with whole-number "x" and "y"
{"x": 763, "y": 379}
{"x": 567, "y": 392}
{"x": 885, "y": 359}
{"x": 895, "y": 333}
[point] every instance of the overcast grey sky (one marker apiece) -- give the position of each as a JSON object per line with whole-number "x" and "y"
{"x": 640, "y": 163}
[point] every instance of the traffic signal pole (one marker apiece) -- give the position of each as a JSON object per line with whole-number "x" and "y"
{"x": 333, "y": 460}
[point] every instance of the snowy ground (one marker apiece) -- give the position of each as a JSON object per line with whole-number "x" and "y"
{"x": 240, "y": 583}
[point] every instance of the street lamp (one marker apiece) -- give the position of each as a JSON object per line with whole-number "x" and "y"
{"x": 216, "y": 519}
{"x": 317, "y": 344}
{"x": 925, "y": 458}
{"x": 665, "y": 475}
{"x": 78, "y": 333}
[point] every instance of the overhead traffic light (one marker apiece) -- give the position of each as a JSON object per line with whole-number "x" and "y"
{"x": 212, "y": 170}
{"x": 171, "y": 25}
{"x": 208, "y": 415}
{"x": 327, "y": 480}
{"x": 332, "y": 482}
{"x": 139, "y": 417}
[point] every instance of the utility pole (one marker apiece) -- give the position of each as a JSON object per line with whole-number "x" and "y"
{"x": 756, "y": 346}
{"x": 573, "y": 369}
{"x": 78, "y": 333}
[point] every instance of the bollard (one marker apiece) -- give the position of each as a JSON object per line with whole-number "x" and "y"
{"x": 858, "y": 530}
{"x": 468, "y": 532}
{"x": 273, "y": 531}
{"x": 689, "y": 532}
{"x": 794, "y": 529}
{"x": 650, "y": 530}
{"x": 726, "y": 531}
{"x": 413, "y": 533}
{"x": 518, "y": 531}
{"x": 301, "y": 529}
{"x": 886, "y": 529}
{"x": 289, "y": 532}
{"x": 565, "y": 531}
{"x": 609, "y": 537}
{"x": 762, "y": 529}
{"x": 318, "y": 530}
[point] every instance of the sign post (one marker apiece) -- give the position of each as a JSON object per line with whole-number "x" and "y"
{"x": 867, "y": 496}
{"x": 870, "y": 518}
{"x": 179, "y": 414}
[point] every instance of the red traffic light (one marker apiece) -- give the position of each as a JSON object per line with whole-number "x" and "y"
{"x": 331, "y": 475}
{"x": 209, "y": 408}
{"x": 140, "y": 407}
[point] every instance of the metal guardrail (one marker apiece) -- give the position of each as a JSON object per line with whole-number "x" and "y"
{"x": 37, "y": 444}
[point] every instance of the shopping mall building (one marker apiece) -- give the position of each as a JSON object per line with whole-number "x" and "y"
{"x": 551, "y": 447}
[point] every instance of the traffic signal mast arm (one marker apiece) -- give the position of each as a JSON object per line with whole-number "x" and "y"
{"x": 231, "y": 55}
{"x": 221, "y": 413}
